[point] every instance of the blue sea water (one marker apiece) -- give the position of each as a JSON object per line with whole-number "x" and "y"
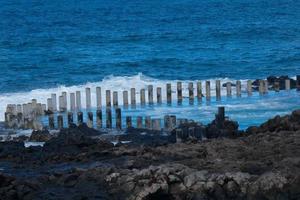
{"x": 52, "y": 44}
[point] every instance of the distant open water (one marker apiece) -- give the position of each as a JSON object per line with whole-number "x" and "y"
{"x": 46, "y": 46}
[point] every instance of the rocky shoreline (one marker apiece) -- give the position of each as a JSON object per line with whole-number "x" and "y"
{"x": 80, "y": 163}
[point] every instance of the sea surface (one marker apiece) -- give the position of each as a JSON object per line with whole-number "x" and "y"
{"x": 54, "y": 46}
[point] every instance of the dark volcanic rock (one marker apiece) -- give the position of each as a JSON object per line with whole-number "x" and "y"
{"x": 40, "y": 136}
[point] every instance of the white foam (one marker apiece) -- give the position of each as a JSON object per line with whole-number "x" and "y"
{"x": 113, "y": 83}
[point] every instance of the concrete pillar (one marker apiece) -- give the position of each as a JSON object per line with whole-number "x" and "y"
{"x": 191, "y": 92}
{"x": 60, "y": 121}
{"x": 90, "y": 120}
{"x": 51, "y": 121}
{"x": 156, "y": 124}
{"x": 72, "y": 102}
{"x": 261, "y": 87}
{"x": 79, "y": 118}
{"x": 199, "y": 91}
{"x": 125, "y": 99}
{"x": 218, "y": 90}
{"x": 179, "y": 93}
{"x": 19, "y": 108}
{"x": 128, "y": 122}
{"x": 78, "y": 100}
{"x": 207, "y": 88}
{"x": 266, "y": 87}
{"x": 139, "y": 122}
{"x": 99, "y": 118}
{"x": 65, "y": 103}
{"x": 115, "y": 99}
{"x": 287, "y": 84}
{"x": 142, "y": 97}
{"x": 70, "y": 118}
{"x": 49, "y": 104}
{"x": 98, "y": 98}
{"x": 167, "y": 122}
{"x": 238, "y": 88}
{"x": 108, "y": 118}
{"x": 88, "y": 98}
{"x": 276, "y": 86}
{"x": 169, "y": 93}
{"x": 228, "y": 89}
{"x": 132, "y": 95}
{"x": 54, "y": 102}
{"x": 25, "y": 110}
{"x": 61, "y": 104}
{"x": 108, "y": 98}
{"x": 298, "y": 82}
{"x": 249, "y": 87}
{"x": 150, "y": 94}
{"x": 191, "y": 132}
{"x": 172, "y": 122}
{"x": 221, "y": 113}
{"x": 179, "y": 134}
{"x": 158, "y": 96}
{"x": 148, "y": 123}
{"x": 118, "y": 119}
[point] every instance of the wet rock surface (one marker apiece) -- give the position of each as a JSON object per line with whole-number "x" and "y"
{"x": 262, "y": 163}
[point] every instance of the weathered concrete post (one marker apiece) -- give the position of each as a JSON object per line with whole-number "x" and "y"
{"x": 148, "y": 123}
{"x": 156, "y": 124}
{"x": 49, "y": 104}
{"x": 191, "y": 132}
{"x": 167, "y": 122}
{"x": 169, "y": 93}
{"x": 298, "y": 82}
{"x": 88, "y": 98}
{"x": 139, "y": 122}
{"x": 115, "y": 99}
{"x": 228, "y": 89}
{"x": 54, "y": 102}
{"x": 65, "y": 104}
{"x": 287, "y": 84}
{"x": 277, "y": 86}
{"x": 118, "y": 119}
{"x": 266, "y": 86}
{"x": 142, "y": 97}
{"x": 158, "y": 95}
{"x": 72, "y": 102}
{"x": 132, "y": 95}
{"x": 90, "y": 120}
{"x": 179, "y": 134}
{"x": 108, "y": 118}
{"x": 78, "y": 100}
{"x": 150, "y": 94}
{"x": 207, "y": 87}
{"x": 61, "y": 104}
{"x": 199, "y": 91}
{"x": 172, "y": 121}
{"x": 221, "y": 113}
{"x": 218, "y": 90}
{"x": 249, "y": 87}
{"x": 98, "y": 98}
{"x": 125, "y": 99}
{"x": 238, "y": 88}
{"x": 128, "y": 122}
{"x": 60, "y": 121}
{"x": 108, "y": 98}
{"x": 79, "y": 118}
{"x": 191, "y": 93}
{"x": 70, "y": 118}
{"x": 51, "y": 121}
{"x": 179, "y": 93}
{"x": 261, "y": 87}
{"x": 99, "y": 118}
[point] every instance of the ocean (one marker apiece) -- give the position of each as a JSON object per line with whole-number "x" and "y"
{"x": 55, "y": 46}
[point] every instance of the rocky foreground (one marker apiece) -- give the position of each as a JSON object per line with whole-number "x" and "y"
{"x": 260, "y": 163}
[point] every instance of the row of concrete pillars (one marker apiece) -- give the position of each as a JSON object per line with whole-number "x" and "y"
{"x": 169, "y": 121}
{"x": 113, "y": 100}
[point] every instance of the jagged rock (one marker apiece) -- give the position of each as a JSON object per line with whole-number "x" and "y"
{"x": 40, "y": 136}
